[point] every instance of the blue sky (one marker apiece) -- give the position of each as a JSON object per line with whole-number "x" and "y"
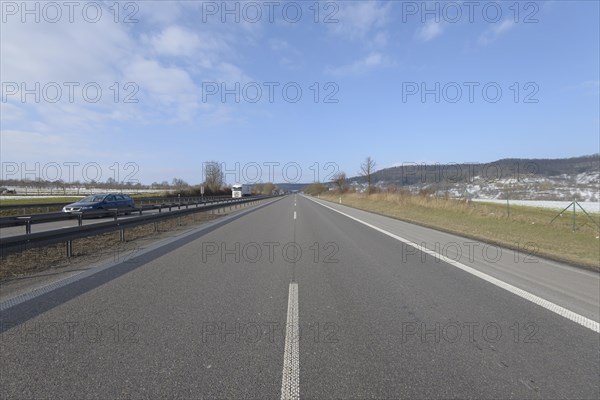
{"x": 373, "y": 57}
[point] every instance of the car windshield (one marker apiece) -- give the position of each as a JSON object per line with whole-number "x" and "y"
{"x": 93, "y": 199}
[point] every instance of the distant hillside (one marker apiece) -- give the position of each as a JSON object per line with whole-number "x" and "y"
{"x": 534, "y": 179}
{"x": 517, "y": 168}
{"x": 291, "y": 186}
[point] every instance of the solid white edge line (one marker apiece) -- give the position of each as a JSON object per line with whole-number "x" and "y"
{"x": 563, "y": 312}
{"x": 290, "y": 384}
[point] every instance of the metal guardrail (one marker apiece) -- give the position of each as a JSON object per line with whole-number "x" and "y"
{"x": 28, "y": 220}
{"x": 16, "y": 220}
{"x": 139, "y": 200}
{"x": 13, "y": 244}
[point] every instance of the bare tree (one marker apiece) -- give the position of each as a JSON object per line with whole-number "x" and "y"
{"x": 258, "y": 188}
{"x": 315, "y": 188}
{"x": 340, "y": 181}
{"x": 268, "y": 188}
{"x": 179, "y": 183}
{"x": 214, "y": 178}
{"x": 366, "y": 169}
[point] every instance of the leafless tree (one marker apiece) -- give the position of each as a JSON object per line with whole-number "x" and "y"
{"x": 315, "y": 188}
{"x": 340, "y": 181}
{"x": 179, "y": 183}
{"x": 214, "y": 178}
{"x": 268, "y": 188}
{"x": 366, "y": 169}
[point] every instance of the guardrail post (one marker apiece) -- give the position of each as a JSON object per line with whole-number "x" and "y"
{"x": 169, "y": 207}
{"x": 156, "y": 227}
{"x": 28, "y": 227}
{"x": 160, "y": 208}
{"x": 116, "y": 215}
{"x": 122, "y": 235}
{"x": 80, "y": 220}
{"x": 69, "y": 248}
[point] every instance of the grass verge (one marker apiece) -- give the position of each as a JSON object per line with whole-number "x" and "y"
{"x": 491, "y": 223}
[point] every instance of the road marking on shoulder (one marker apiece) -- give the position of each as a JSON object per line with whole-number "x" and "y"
{"x": 555, "y": 308}
{"x": 294, "y": 214}
{"x": 290, "y": 382}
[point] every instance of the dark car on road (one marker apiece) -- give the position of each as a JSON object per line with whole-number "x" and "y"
{"x": 100, "y": 202}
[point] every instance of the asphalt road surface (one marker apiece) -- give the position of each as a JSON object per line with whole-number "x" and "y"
{"x": 295, "y": 299}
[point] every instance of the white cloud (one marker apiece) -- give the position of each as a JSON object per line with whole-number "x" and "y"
{"x": 16, "y": 145}
{"x": 380, "y": 39}
{"x": 78, "y": 51}
{"x": 289, "y": 56}
{"x": 178, "y": 41}
{"x": 278, "y": 44}
{"x": 12, "y": 112}
{"x": 493, "y": 33}
{"x": 358, "y": 67}
{"x": 53, "y": 54}
{"x": 163, "y": 59}
{"x": 163, "y": 13}
{"x": 357, "y": 19}
{"x": 169, "y": 91}
{"x": 232, "y": 73}
{"x": 167, "y": 83}
{"x": 429, "y": 31}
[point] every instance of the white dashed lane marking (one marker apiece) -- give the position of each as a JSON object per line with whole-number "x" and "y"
{"x": 290, "y": 385}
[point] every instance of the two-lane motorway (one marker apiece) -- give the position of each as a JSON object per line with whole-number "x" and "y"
{"x": 294, "y": 299}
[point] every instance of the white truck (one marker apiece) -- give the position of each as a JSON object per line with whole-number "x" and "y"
{"x": 239, "y": 190}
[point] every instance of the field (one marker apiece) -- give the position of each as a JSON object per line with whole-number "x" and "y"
{"x": 491, "y": 223}
{"x": 590, "y": 207}
{"x": 19, "y": 200}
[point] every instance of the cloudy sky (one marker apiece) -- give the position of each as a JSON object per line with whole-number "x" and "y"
{"x": 155, "y": 89}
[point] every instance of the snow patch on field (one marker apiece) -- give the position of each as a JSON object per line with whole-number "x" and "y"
{"x": 588, "y": 206}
